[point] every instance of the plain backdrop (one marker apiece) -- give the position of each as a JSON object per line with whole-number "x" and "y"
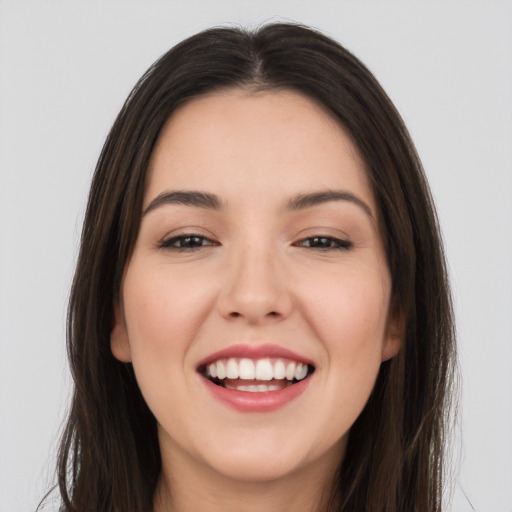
{"x": 66, "y": 68}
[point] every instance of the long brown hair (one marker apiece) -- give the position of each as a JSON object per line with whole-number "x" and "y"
{"x": 109, "y": 456}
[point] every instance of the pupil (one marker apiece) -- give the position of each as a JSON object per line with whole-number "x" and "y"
{"x": 320, "y": 242}
{"x": 191, "y": 241}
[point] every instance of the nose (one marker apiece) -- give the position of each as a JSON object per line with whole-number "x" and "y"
{"x": 256, "y": 289}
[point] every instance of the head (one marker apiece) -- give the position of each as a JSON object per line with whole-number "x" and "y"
{"x": 392, "y": 456}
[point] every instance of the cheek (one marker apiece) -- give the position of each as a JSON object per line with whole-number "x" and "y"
{"x": 348, "y": 312}
{"x": 164, "y": 310}
{"x": 351, "y": 325}
{"x": 350, "y": 308}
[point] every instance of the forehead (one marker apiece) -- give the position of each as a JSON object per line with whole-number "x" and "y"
{"x": 272, "y": 143}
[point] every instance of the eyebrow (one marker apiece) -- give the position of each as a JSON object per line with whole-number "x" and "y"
{"x": 210, "y": 201}
{"x": 187, "y": 198}
{"x": 310, "y": 199}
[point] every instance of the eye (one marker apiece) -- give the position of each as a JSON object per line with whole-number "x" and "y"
{"x": 325, "y": 243}
{"x": 186, "y": 242}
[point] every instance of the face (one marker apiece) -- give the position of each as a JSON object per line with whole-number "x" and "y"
{"x": 255, "y": 305}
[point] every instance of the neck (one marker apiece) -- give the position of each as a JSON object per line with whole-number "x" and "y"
{"x": 192, "y": 487}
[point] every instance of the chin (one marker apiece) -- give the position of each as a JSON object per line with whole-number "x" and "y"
{"x": 258, "y": 462}
{"x": 254, "y": 470}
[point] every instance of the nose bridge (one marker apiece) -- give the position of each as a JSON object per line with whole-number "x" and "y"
{"x": 256, "y": 289}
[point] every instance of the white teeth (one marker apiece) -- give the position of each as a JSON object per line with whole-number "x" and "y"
{"x": 264, "y": 370}
{"x": 251, "y": 389}
{"x": 260, "y": 388}
{"x": 261, "y": 369}
{"x": 301, "y": 371}
{"x": 247, "y": 369}
{"x": 279, "y": 370}
{"x": 290, "y": 371}
{"x": 232, "y": 369}
{"x": 221, "y": 370}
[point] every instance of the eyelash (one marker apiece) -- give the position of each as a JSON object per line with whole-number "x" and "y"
{"x": 172, "y": 243}
{"x": 314, "y": 242}
{"x": 335, "y": 244}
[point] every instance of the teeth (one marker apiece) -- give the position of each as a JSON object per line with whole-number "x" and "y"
{"x": 264, "y": 370}
{"x": 221, "y": 370}
{"x": 260, "y": 388}
{"x": 301, "y": 371}
{"x": 261, "y": 369}
{"x": 290, "y": 371}
{"x": 279, "y": 370}
{"x": 247, "y": 369}
{"x": 232, "y": 369}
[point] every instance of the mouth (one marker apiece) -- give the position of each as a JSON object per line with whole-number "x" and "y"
{"x": 261, "y": 375}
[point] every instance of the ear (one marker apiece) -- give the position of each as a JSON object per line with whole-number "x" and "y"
{"x": 119, "y": 343}
{"x": 395, "y": 333}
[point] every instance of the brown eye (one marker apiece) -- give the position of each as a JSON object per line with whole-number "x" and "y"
{"x": 325, "y": 243}
{"x": 186, "y": 242}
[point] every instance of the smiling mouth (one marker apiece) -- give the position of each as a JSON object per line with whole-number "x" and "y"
{"x": 256, "y": 375}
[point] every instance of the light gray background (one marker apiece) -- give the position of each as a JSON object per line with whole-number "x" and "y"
{"x": 67, "y": 66}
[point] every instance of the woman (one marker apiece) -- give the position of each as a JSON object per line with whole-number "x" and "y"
{"x": 260, "y": 317}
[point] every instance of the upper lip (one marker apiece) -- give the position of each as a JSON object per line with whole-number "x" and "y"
{"x": 254, "y": 351}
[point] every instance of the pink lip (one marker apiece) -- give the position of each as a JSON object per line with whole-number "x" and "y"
{"x": 245, "y": 401}
{"x": 254, "y": 352}
{"x": 266, "y": 401}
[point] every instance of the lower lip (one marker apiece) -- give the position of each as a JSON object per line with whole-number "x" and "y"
{"x": 264, "y": 401}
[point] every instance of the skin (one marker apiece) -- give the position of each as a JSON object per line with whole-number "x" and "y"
{"x": 255, "y": 278}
